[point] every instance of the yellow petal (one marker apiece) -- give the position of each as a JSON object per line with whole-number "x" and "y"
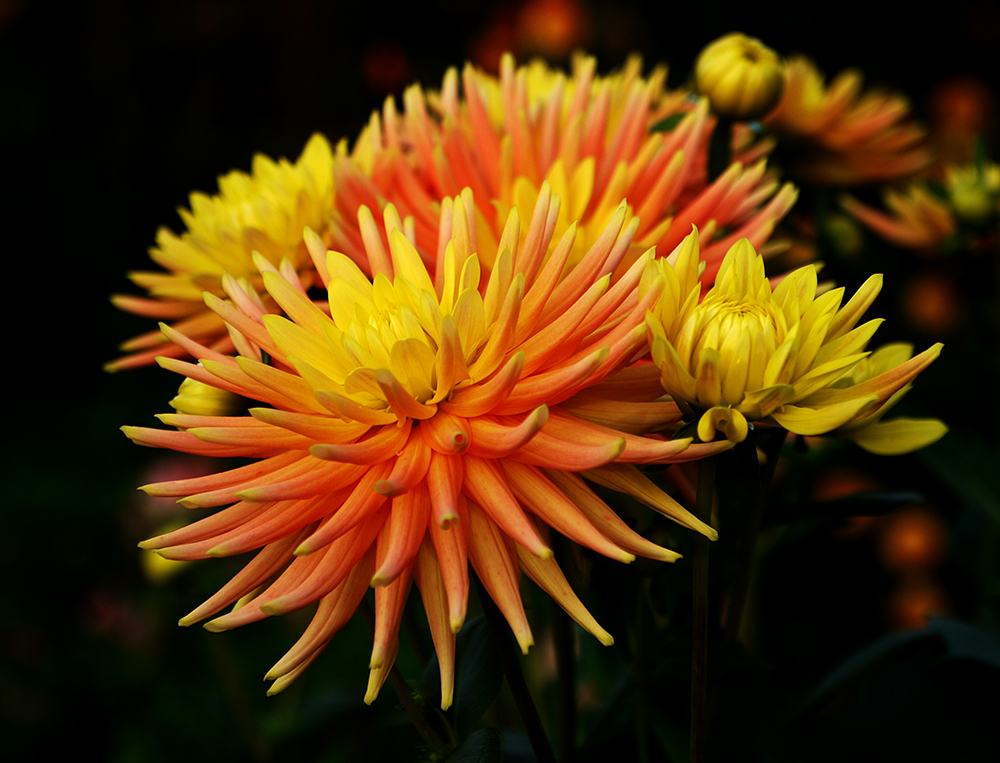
{"x": 890, "y": 438}
{"x": 816, "y": 421}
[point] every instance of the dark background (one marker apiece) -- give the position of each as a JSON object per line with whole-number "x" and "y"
{"x": 111, "y": 113}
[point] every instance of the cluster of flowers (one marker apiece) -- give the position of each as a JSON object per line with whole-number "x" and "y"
{"x": 510, "y": 291}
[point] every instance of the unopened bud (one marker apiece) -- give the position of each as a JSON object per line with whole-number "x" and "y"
{"x": 741, "y": 77}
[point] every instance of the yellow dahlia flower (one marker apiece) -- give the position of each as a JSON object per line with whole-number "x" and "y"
{"x": 847, "y": 137}
{"x": 786, "y": 356}
{"x": 740, "y": 76}
{"x": 418, "y": 427}
{"x": 265, "y": 211}
{"x": 589, "y": 137}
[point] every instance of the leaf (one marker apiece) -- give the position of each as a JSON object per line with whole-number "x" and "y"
{"x": 967, "y": 466}
{"x": 668, "y": 124}
{"x": 922, "y": 696}
{"x": 961, "y": 641}
{"x": 482, "y": 746}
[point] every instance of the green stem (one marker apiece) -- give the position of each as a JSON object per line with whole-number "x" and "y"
{"x": 640, "y": 675}
{"x": 720, "y": 148}
{"x": 511, "y": 662}
{"x": 222, "y": 656}
{"x": 771, "y": 443}
{"x": 562, "y": 637}
{"x": 699, "y": 652}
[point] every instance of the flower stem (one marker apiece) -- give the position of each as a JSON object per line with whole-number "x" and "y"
{"x": 515, "y": 679}
{"x": 770, "y": 444}
{"x": 562, "y": 637}
{"x": 720, "y": 148}
{"x": 699, "y": 652}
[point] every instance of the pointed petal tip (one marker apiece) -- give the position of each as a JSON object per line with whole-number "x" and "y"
{"x": 303, "y": 549}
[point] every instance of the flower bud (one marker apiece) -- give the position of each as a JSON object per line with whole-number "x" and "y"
{"x": 974, "y": 192}
{"x": 200, "y": 399}
{"x": 742, "y": 78}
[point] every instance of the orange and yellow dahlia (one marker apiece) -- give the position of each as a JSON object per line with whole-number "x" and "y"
{"x": 425, "y": 423}
{"x": 593, "y": 139}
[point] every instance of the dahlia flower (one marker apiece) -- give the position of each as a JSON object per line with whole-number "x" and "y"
{"x": 591, "y": 138}
{"x": 847, "y": 137}
{"x": 423, "y": 424}
{"x": 741, "y": 76}
{"x": 783, "y": 357}
{"x": 917, "y": 219}
{"x": 265, "y": 211}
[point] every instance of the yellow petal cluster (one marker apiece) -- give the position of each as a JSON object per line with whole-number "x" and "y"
{"x": 785, "y": 356}
{"x": 264, "y": 211}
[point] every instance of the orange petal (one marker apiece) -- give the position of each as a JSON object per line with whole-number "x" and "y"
{"x": 427, "y": 576}
{"x": 486, "y": 485}
{"x": 550, "y": 504}
{"x": 410, "y": 467}
{"x": 402, "y": 535}
{"x": 492, "y": 439}
{"x": 382, "y": 444}
{"x": 493, "y": 558}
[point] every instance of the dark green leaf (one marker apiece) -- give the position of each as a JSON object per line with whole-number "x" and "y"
{"x": 668, "y": 124}
{"x": 482, "y": 746}
{"x": 969, "y": 468}
{"x": 478, "y": 673}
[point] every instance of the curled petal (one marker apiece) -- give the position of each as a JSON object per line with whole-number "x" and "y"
{"x": 491, "y": 439}
{"x": 383, "y": 444}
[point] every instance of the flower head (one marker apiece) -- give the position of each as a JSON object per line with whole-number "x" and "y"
{"x": 918, "y": 219}
{"x": 785, "y": 356}
{"x": 590, "y": 137}
{"x": 924, "y": 218}
{"x": 420, "y": 426}
{"x": 265, "y": 211}
{"x": 741, "y": 76}
{"x": 845, "y": 137}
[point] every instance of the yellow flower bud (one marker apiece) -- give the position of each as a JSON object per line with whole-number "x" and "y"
{"x": 742, "y": 77}
{"x": 974, "y": 192}
{"x": 199, "y": 399}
